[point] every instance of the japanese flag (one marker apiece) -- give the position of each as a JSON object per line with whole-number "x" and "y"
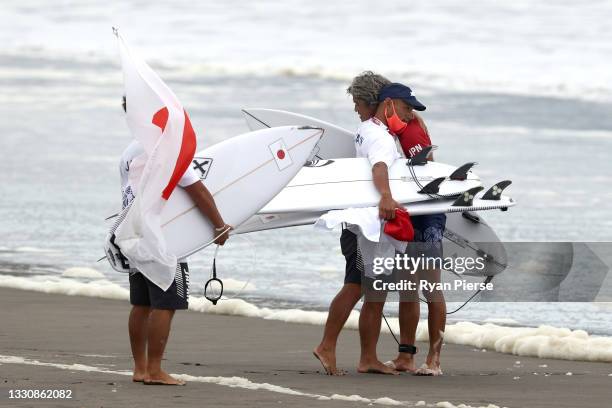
{"x": 156, "y": 119}
{"x": 280, "y": 153}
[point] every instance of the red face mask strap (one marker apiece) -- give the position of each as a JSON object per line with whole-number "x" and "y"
{"x": 393, "y": 107}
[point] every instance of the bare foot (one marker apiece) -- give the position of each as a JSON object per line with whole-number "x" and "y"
{"x": 138, "y": 376}
{"x": 402, "y": 364}
{"x": 375, "y": 367}
{"x": 162, "y": 378}
{"x": 328, "y": 361}
{"x": 431, "y": 366}
{"x": 430, "y": 370}
{"x": 433, "y": 359}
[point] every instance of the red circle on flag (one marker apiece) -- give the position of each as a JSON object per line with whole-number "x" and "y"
{"x": 280, "y": 154}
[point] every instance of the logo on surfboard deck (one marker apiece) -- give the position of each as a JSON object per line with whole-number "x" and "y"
{"x": 318, "y": 163}
{"x": 202, "y": 166}
{"x": 281, "y": 154}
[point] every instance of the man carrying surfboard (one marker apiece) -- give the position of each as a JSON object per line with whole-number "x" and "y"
{"x": 372, "y": 141}
{"x": 366, "y": 89}
{"x": 396, "y": 105}
{"x": 153, "y": 308}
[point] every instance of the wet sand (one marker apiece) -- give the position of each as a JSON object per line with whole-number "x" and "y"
{"x": 222, "y": 352}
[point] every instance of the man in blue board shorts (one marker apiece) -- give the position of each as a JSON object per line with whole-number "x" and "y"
{"x": 429, "y": 231}
{"x": 152, "y": 308}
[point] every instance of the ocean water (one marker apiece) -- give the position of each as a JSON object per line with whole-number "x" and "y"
{"x": 521, "y": 88}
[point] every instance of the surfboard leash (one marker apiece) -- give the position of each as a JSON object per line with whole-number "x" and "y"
{"x": 213, "y": 279}
{"x": 487, "y": 280}
{"x": 208, "y": 286}
{"x": 431, "y": 189}
{"x": 410, "y": 166}
{"x": 253, "y": 263}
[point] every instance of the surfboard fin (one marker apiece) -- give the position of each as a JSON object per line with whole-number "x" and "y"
{"x": 420, "y": 158}
{"x": 472, "y": 217}
{"x": 461, "y": 172}
{"x": 466, "y": 199}
{"x": 433, "y": 186}
{"x": 494, "y": 193}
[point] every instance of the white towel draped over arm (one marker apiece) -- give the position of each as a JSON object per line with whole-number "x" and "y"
{"x": 365, "y": 223}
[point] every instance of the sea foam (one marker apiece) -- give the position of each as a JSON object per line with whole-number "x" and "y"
{"x": 80, "y": 272}
{"x": 233, "y": 382}
{"x": 542, "y": 342}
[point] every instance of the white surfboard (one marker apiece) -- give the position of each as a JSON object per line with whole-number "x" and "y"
{"x": 343, "y": 183}
{"x": 337, "y": 142}
{"x": 447, "y": 206}
{"x": 263, "y": 222}
{"x": 243, "y": 174}
{"x": 466, "y": 235}
{"x": 266, "y": 221}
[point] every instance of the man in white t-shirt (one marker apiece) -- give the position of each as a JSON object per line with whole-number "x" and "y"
{"x": 152, "y": 308}
{"x": 133, "y": 150}
{"x": 374, "y": 142}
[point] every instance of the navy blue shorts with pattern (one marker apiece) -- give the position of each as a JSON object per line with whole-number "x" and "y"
{"x": 428, "y": 235}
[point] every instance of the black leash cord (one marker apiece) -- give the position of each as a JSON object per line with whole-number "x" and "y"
{"x": 390, "y": 330}
{"x": 487, "y": 280}
{"x": 213, "y": 299}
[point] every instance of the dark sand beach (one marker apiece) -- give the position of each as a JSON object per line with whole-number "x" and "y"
{"x": 275, "y": 357}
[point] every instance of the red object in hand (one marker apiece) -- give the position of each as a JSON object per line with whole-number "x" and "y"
{"x": 400, "y": 227}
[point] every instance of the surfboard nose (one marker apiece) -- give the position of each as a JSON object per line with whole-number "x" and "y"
{"x": 318, "y": 135}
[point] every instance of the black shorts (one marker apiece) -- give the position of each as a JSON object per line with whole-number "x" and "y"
{"x": 352, "y": 254}
{"x": 143, "y": 292}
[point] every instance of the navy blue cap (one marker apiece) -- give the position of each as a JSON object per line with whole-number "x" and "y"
{"x": 399, "y": 91}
